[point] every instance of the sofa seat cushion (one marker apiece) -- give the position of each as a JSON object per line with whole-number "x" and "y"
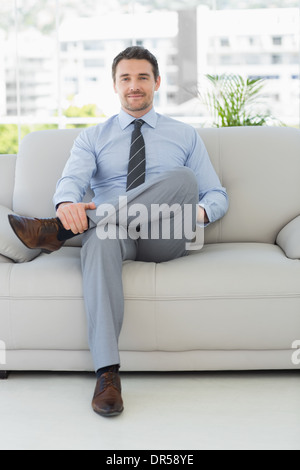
{"x": 183, "y": 305}
{"x": 5, "y": 260}
{"x": 6, "y": 267}
{"x": 229, "y": 296}
{"x": 47, "y": 309}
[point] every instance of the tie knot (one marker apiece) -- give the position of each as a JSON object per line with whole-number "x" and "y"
{"x": 138, "y": 123}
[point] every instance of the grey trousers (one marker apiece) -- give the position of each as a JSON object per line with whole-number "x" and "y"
{"x": 102, "y": 259}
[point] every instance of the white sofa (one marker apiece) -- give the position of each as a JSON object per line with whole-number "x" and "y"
{"x": 235, "y": 305}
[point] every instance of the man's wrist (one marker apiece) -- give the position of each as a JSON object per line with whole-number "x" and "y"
{"x": 202, "y": 216}
{"x": 61, "y": 204}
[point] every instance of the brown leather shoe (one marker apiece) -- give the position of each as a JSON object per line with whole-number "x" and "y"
{"x": 107, "y": 401}
{"x": 37, "y": 233}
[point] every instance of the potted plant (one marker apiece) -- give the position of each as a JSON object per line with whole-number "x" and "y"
{"x": 231, "y": 100}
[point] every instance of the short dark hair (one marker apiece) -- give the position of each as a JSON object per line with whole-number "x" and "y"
{"x": 139, "y": 53}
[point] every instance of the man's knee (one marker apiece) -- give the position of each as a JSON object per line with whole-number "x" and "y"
{"x": 183, "y": 178}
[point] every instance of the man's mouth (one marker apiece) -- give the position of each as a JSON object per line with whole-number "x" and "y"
{"x": 136, "y": 96}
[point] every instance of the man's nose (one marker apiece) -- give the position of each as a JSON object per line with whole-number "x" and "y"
{"x": 134, "y": 86}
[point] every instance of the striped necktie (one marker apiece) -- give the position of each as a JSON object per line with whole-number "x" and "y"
{"x": 137, "y": 159}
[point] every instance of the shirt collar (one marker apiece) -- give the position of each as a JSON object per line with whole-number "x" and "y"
{"x": 126, "y": 119}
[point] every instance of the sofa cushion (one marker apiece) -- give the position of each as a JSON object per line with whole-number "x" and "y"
{"x": 10, "y": 245}
{"x": 5, "y": 260}
{"x": 40, "y": 163}
{"x": 7, "y": 179}
{"x": 260, "y": 167}
{"x": 227, "y": 297}
{"x": 6, "y": 267}
{"x": 236, "y": 296}
{"x": 289, "y": 239}
{"x": 47, "y": 307}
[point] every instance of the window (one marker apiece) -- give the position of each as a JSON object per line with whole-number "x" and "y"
{"x": 93, "y": 45}
{"x": 55, "y": 57}
{"x": 276, "y": 59}
{"x": 94, "y": 63}
{"x": 277, "y": 40}
{"x": 224, "y": 42}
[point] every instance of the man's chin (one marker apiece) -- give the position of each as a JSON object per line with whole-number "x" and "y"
{"x": 137, "y": 108}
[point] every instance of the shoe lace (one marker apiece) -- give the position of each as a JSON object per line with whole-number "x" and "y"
{"x": 51, "y": 224}
{"x": 110, "y": 379}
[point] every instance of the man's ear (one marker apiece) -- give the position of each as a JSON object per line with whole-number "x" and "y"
{"x": 115, "y": 87}
{"x": 158, "y": 83}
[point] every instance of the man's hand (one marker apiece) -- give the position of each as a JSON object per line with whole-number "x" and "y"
{"x": 73, "y": 216}
{"x": 202, "y": 216}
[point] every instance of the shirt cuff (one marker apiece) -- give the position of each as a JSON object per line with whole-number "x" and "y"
{"x": 207, "y": 210}
{"x": 63, "y": 202}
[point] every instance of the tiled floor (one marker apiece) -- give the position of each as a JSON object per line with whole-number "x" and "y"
{"x": 255, "y": 410}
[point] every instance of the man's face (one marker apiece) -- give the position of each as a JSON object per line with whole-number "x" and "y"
{"x": 136, "y": 85}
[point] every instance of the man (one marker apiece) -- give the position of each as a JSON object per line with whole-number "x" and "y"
{"x": 150, "y": 159}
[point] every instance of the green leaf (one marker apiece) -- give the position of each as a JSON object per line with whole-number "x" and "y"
{"x": 231, "y": 100}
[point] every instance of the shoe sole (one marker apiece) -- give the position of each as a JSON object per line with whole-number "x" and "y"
{"x": 113, "y": 414}
{"x": 47, "y": 252}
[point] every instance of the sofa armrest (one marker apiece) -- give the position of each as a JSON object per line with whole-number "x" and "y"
{"x": 10, "y": 245}
{"x": 289, "y": 239}
{"x": 7, "y": 179}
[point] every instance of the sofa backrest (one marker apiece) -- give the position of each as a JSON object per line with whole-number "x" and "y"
{"x": 7, "y": 178}
{"x": 40, "y": 163}
{"x": 260, "y": 167}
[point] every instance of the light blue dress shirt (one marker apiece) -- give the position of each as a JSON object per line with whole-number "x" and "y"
{"x": 100, "y": 155}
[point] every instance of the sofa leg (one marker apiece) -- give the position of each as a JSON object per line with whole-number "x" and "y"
{"x": 4, "y": 374}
